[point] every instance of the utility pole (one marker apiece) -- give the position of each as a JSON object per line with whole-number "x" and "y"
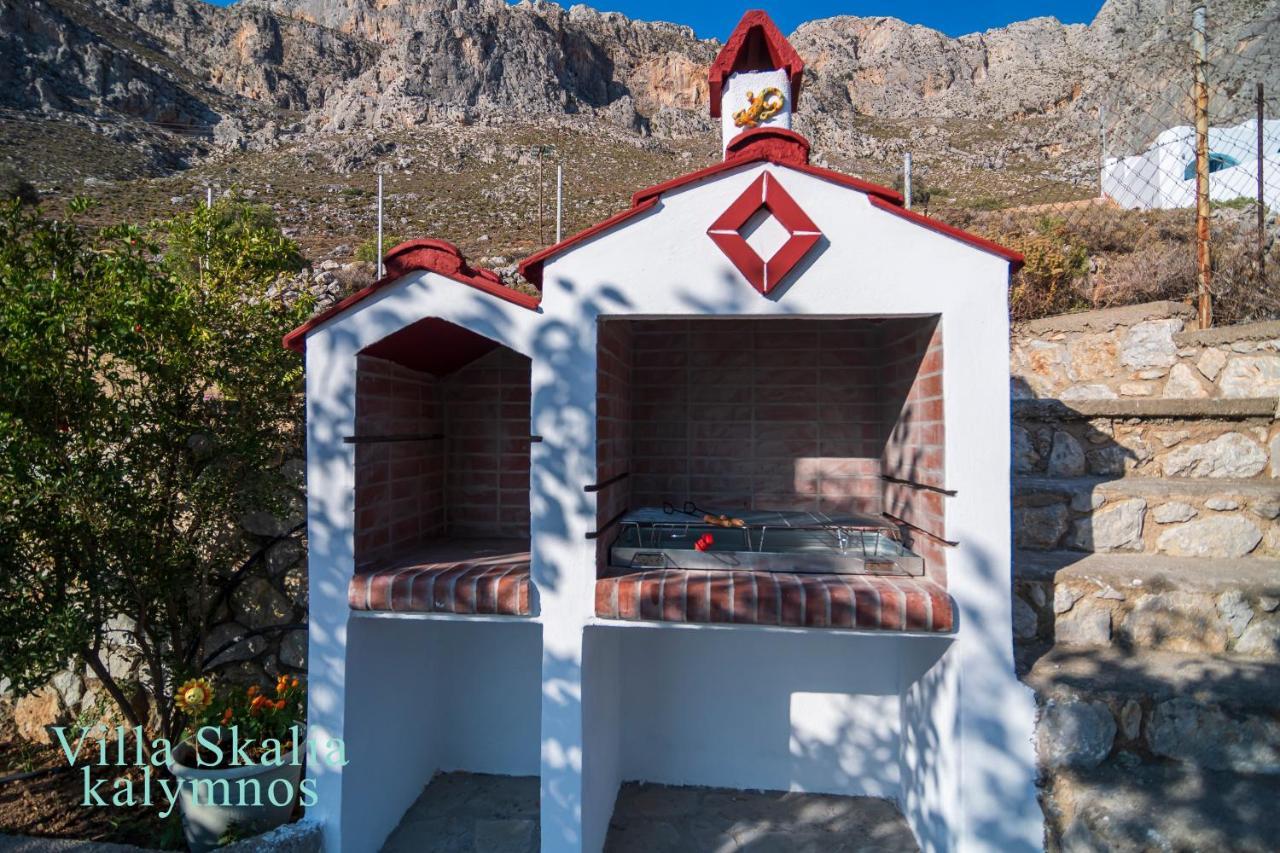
{"x": 906, "y": 179}
{"x": 380, "y": 268}
{"x": 1200, "y": 43}
{"x": 1262, "y": 207}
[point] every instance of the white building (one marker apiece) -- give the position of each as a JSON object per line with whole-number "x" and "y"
{"x": 496, "y": 586}
{"x": 1164, "y": 176}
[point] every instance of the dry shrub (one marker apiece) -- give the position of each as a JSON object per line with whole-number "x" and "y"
{"x": 1240, "y": 295}
{"x": 1155, "y": 269}
{"x": 1099, "y": 255}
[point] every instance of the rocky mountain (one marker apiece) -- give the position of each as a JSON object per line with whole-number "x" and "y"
{"x": 247, "y": 73}
{"x": 105, "y": 90}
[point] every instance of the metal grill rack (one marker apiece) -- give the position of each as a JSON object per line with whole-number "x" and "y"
{"x": 767, "y": 541}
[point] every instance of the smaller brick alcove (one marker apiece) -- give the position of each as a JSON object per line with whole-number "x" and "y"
{"x": 441, "y": 475}
{"x": 824, "y": 415}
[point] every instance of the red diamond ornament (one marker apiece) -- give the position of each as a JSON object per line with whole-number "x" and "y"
{"x": 765, "y": 193}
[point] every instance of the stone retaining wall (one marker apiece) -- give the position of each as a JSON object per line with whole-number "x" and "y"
{"x": 1143, "y": 351}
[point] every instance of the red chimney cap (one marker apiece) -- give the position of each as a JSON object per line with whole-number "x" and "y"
{"x": 755, "y": 45}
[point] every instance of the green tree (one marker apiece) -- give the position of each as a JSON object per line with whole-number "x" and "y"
{"x": 146, "y": 404}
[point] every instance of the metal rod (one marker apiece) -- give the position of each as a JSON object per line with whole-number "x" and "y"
{"x": 560, "y": 199}
{"x": 377, "y": 439}
{"x": 951, "y": 493}
{"x": 1262, "y": 207}
{"x": 596, "y": 534}
{"x": 381, "y": 269}
{"x": 617, "y": 478}
{"x": 1200, "y": 43}
{"x": 540, "y": 230}
{"x": 935, "y": 537}
{"x": 906, "y": 179}
{"x": 1102, "y": 149}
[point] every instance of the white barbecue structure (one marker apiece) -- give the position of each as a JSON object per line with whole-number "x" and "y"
{"x": 726, "y": 503}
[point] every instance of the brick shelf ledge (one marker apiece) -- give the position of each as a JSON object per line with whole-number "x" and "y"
{"x": 863, "y": 602}
{"x": 469, "y": 577}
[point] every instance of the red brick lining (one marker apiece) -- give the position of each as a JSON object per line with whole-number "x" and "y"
{"x": 487, "y": 583}
{"x": 864, "y": 602}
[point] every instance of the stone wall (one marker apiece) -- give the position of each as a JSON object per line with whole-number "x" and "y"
{"x": 1143, "y": 351}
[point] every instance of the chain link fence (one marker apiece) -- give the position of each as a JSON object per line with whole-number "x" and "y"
{"x": 1104, "y": 206}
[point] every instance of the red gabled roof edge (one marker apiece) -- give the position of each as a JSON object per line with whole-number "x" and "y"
{"x": 761, "y": 144}
{"x": 781, "y": 55}
{"x": 1015, "y": 259}
{"x": 772, "y": 145}
{"x": 438, "y": 256}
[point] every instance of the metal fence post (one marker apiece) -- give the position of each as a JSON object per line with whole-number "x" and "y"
{"x": 379, "y": 267}
{"x": 1102, "y": 150}
{"x": 906, "y": 179}
{"x": 1262, "y": 206}
{"x": 560, "y": 199}
{"x": 1199, "y": 40}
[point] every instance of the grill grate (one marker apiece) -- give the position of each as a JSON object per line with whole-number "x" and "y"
{"x": 761, "y": 540}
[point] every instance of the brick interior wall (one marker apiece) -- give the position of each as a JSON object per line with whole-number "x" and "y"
{"x": 399, "y": 486}
{"x": 913, "y": 450}
{"x": 772, "y": 414}
{"x": 486, "y": 408}
{"x": 473, "y": 483}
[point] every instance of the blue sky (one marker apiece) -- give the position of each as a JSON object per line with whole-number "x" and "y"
{"x": 715, "y": 18}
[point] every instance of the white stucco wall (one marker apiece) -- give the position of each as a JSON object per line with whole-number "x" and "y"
{"x": 946, "y": 720}
{"x": 870, "y": 263}
{"x": 358, "y": 815}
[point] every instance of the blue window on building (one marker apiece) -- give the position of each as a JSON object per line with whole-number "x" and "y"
{"x": 1217, "y": 162}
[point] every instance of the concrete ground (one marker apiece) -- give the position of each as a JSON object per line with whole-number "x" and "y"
{"x": 464, "y": 812}
{"x": 658, "y": 818}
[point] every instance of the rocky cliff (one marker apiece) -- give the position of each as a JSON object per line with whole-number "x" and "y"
{"x": 177, "y": 79}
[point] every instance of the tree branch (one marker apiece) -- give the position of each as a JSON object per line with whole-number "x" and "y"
{"x": 90, "y": 657}
{"x": 230, "y": 644}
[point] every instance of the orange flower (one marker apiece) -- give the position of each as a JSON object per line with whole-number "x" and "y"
{"x": 252, "y": 691}
{"x": 279, "y": 705}
{"x": 293, "y": 682}
{"x": 226, "y": 716}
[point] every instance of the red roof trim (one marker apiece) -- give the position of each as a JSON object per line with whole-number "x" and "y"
{"x": 437, "y": 256}
{"x": 754, "y": 146}
{"x": 531, "y": 267}
{"x": 1014, "y": 258}
{"x": 737, "y": 55}
{"x": 775, "y": 143}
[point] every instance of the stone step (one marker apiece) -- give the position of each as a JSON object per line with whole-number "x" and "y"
{"x": 1127, "y": 809}
{"x": 1217, "y": 518}
{"x": 1183, "y": 439}
{"x": 1139, "y": 601}
{"x": 1217, "y": 712}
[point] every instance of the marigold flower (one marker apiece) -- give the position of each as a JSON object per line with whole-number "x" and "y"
{"x": 226, "y": 716}
{"x": 293, "y": 682}
{"x": 195, "y": 695}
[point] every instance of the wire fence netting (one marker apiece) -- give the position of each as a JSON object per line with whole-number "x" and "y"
{"x": 1105, "y": 212}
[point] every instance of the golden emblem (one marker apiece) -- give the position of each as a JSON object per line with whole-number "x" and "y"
{"x": 760, "y": 108}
